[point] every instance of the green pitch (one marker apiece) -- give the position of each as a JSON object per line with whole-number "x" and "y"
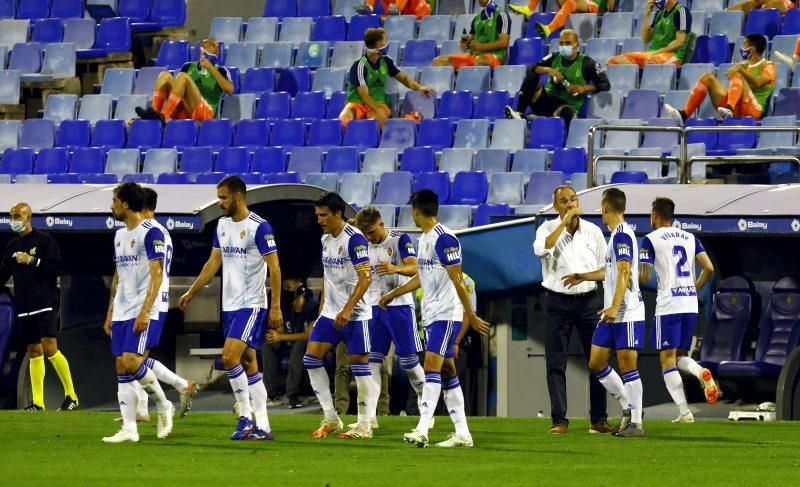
{"x": 65, "y": 448}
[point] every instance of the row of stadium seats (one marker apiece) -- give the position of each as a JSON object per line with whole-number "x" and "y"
{"x": 144, "y": 15}
{"x": 89, "y": 40}
{"x": 41, "y": 9}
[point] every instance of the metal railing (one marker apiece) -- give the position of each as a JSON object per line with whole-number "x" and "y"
{"x": 684, "y": 162}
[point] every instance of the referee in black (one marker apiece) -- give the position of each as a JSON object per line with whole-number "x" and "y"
{"x": 566, "y": 245}
{"x": 34, "y": 260}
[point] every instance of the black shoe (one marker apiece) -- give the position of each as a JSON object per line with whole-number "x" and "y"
{"x": 33, "y": 407}
{"x": 295, "y": 402}
{"x": 149, "y": 114}
{"x": 567, "y": 113}
{"x": 69, "y": 404}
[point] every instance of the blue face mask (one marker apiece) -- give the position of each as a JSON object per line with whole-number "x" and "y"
{"x": 659, "y": 4}
{"x": 490, "y": 8}
{"x": 745, "y": 52}
{"x": 565, "y": 51}
{"x": 383, "y": 51}
{"x": 212, "y": 58}
{"x": 17, "y": 226}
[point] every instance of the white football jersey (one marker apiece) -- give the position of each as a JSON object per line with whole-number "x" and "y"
{"x": 168, "y": 250}
{"x": 671, "y": 251}
{"x": 244, "y": 273}
{"x": 436, "y": 250}
{"x": 622, "y": 246}
{"x": 133, "y": 251}
{"x": 340, "y": 256}
{"x": 396, "y": 247}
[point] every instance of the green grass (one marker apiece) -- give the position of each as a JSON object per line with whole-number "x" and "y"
{"x": 65, "y": 448}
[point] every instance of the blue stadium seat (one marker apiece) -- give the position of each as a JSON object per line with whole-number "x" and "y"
{"x": 251, "y": 134}
{"x": 463, "y": 23}
{"x": 617, "y": 139}
{"x": 398, "y": 133}
{"x": 37, "y": 134}
{"x": 309, "y": 106}
{"x": 59, "y": 62}
{"x": 661, "y": 140}
{"x": 73, "y": 134}
{"x": 242, "y": 55}
{"x": 30, "y": 179}
{"x": 329, "y": 80}
{"x": 86, "y": 160}
{"x": 569, "y": 160}
{"x": 436, "y": 27}
{"x": 227, "y": 30}
{"x": 388, "y": 214}
{"x": 605, "y": 168}
{"x": 606, "y": 105}
{"x": 109, "y": 134}
{"x": 602, "y": 49}
{"x": 289, "y": 133}
{"x": 329, "y": 28}
{"x": 8, "y": 9}
{"x": 122, "y": 162}
{"x": 357, "y": 189}
{"x": 485, "y": 211}
{"x": 258, "y": 81}
{"x": 276, "y": 55}
{"x": 173, "y": 54}
{"x": 282, "y": 178}
{"x": 633, "y": 44}
{"x": 474, "y": 79}
{"x": 791, "y": 23}
{"x": 653, "y": 170}
{"x": 436, "y": 133}
{"x": 643, "y": 104}
{"x": 325, "y": 133}
{"x": 296, "y": 30}
{"x": 328, "y": 182}
{"x": 10, "y": 83}
{"x": 345, "y": 54}
{"x": 168, "y": 13}
{"x": 394, "y": 188}
{"x": 118, "y": 82}
{"x": 95, "y": 107}
{"x": 379, "y": 161}
{"x": 304, "y": 160}
{"x": 17, "y": 161}
{"x": 33, "y": 9}
{"x": 579, "y": 130}
{"x": 336, "y": 104}
{"x": 52, "y": 160}
{"x": 417, "y": 160}
{"x": 363, "y": 134}
{"x": 261, "y": 30}
{"x": 491, "y": 161}
{"x": 197, "y": 160}
{"x": 528, "y": 161}
{"x": 616, "y": 25}
{"x": 80, "y": 32}
{"x": 455, "y": 105}
{"x": 101, "y": 178}
{"x": 439, "y": 78}
{"x": 623, "y": 77}
{"x": 64, "y": 178}
{"x": 60, "y": 107}
{"x": 506, "y": 188}
{"x": 232, "y": 160}
{"x": 450, "y": 47}
{"x": 9, "y": 134}
{"x": 691, "y": 72}
{"x": 491, "y": 104}
{"x": 294, "y": 80}
{"x": 401, "y": 27}
{"x": 179, "y": 134}
{"x": 173, "y": 178}
{"x": 144, "y": 134}
{"x": 547, "y": 133}
{"x": 734, "y": 310}
{"x": 455, "y": 160}
{"x": 707, "y": 138}
{"x": 126, "y": 106}
{"x": 729, "y": 142}
{"x": 157, "y": 161}
{"x": 711, "y": 49}
{"x": 268, "y": 160}
{"x": 438, "y": 182}
{"x": 787, "y": 101}
{"x": 763, "y": 21}
{"x": 13, "y": 32}
{"x": 659, "y": 77}
{"x": 47, "y": 30}
{"x": 146, "y": 80}
{"x": 280, "y": 8}
{"x": 469, "y": 188}
{"x": 472, "y": 133}
{"x": 113, "y": 36}
{"x": 274, "y": 105}
{"x": 508, "y": 78}
{"x": 541, "y": 186}
{"x": 359, "y": 24}
{"x": 419, "y": 52}
{"x": 455, "y": 217}
{"x": 209, "y": 178}
{"x": 585, "y": 24}
{"x": 726, "y": 23}
{"x": 313, "y": 54}
{"x": 26, "y": 58}
{"x": 629, "y": 177}
{"x": 238, "y": 107}
{"x": 341, "y": 160}
{"x": 138, "y": 13}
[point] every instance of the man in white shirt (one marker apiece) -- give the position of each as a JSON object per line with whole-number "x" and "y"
{"x": 566, "y": 245}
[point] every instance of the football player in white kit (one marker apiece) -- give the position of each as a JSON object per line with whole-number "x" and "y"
{"x": 673, "y": 253}
{"x": 139, "y": 253}
{"x": 446, "y": 304}
{"x": 244, "y": 246}
{"x": 345, "y": 315}
{"x": 621, "y": 325}
{"x": 393, "y": 260}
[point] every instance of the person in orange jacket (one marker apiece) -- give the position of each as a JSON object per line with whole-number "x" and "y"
{"x": 420, "y": 8}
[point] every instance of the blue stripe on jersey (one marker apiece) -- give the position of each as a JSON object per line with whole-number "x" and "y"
{"x": 255, "y": 217}
{"x": 349, "y": 230}
{"x": 147, "y": 224}
{"x": 439, "y": 229}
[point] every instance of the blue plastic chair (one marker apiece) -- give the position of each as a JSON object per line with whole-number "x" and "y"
{"x": 475, "y": 79}
{"x": 336, "y": 104}
{"x": 506, "y": 188}
{"x": 436, "y": 133}
{"x": 118, "y": 82}
{"x": 328, "y": 28}
{"x": 398, "y": 133}
{"x": 707, "y": 138}
{"x": 455, "y": 105}
{"x": 113, "y": 36}
{"x": 617, "y": 25}
{"x": 541, "y": 186}
{"x": 643, "y": 104}
{"x": 569, "y": 160}
{"x": 309, "y": 106}
{"x": 37, "y": 134}
{"x": 173, "y": 178}
{"x": 63, "y": 178}
{"x": 251, "y": 134}
{"x": 268, "y": 160}
{"x": 726, "y": 23}
{"x": 363, "y": 134}
{"x": 547, "y": 133}
{"x": 438, "y": 182}
{"x": 491, "y": 161}
{"x": 419, "y": 52}
{"x": 196, "y": 160}
{"x": 26, "y": 58}
{"x": 763, "y": 21}
{"x": 379, "y": 161}
{"x": 109, "y": 134}
{"x": 261, "y": 29}
{"x": 288, "y": 134}
{"x": 729, "y": 142}
{"x": 711, "y": 49}
{"x": 400, "y": 27}
{"x": 274, "y": 106}
{"x": 328, "y": 182}
{"x": 258, "y": 81}
{"x": 325, "y": 133}
{"x": 629, "y": 177}
{"x": 86, "y": 160}
{"x": 436, "y": 27}
{"x": 157, "y": 161}
{"x": 472, "y": 134}
{"x": 485, "y": 211}
{"x": 305, "y": 160}
{"x": 173, "y": 54}
{"x": 359, "y": 25}
{"x": 418, "y": 160}
{"x": 232, "y": 160}
{"x": 542, "y": 18}
{"x": 329, "y": 80}
{"x": 528, "y": 161}
{"x": 226, "y": 29}
{"x": 215, "y": 134}
{"x": 791, "y": 22}
{"x": 73, "y": 134}
{"x": 490, "y": 104}
{"x": 17, "y": 161}
{"x": 80, "y": 32}
{"x": 144, "y": 134}
{"x": 296, "y": 30}
{"x": 101, "y": 178}
{"x": 47, "y": 31}
{"x": 180, "y": 134}
{"x": 33, "y": 9}
{"x": 394, "y": 188}
{"x": 342, "y": 160}
{"x": 209, "y": 178}
{"x": 469, "y": 188}
{"x": 60, "y": 107}
{"x": 294, "y": 80}
{"x": 52, "y": 160}
{"x": 280, "y": 8}
{"x": 282, "y": 178}
{"x": 168, "y": 13}
{"x": 276, "y": 55}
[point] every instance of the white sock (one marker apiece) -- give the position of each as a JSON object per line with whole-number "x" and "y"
{"x": 166, "y": 376}
{"x": 430, "y": 397}
{"x": 258, "y": 401}
{"x": 241, "y": 391}
{"x": 416, "y": 374}
{"x": 321, "y": 385}
{"x": 454, "y": 400}
{"x": 689, "y": 366}
{"x": 147, "y": 379}
{"x": 613, "y": 384}
{"x": 366, "y": 391}
{"x": 141, "y": 405}
{"x": 634, "y": 392}
{"x": 126, "y": 395}
{"x": 375, "y": 370}
{"x": 672, "y": 378}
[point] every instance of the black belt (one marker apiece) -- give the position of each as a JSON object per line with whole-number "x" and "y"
{"x": 588, "y": 295}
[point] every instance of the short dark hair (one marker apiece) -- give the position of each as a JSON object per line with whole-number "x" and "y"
{"x": 758, "y": 41}
{"x": 130, "y": 193}
{"x": 615, "y": 199}
{"x": 333, "y": 202}
{"x": 664, "y": 208}
{"x": 562, "y": 187}
{"x": 367, "y": 217}
{"x": 426, "y": 202}
{"x": 372, "y": 36}
{"x": 235, "y": 184}
{"x": 150, "y": 199}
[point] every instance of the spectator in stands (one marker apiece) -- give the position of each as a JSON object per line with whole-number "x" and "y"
{"x": 747, "y": 5}
{"x": 419, "y": 8}
{"x": 668, "y": 35}
{"x": 33, "y": 259}
{"x": 790, "y": 59}
{"x": 486, "y": 42}
{"x": 751, "y": 84}
{"x": 566, "y": 8}
{"x": 299, "y": 308}
{"x": 194, "y": 93}
{"x": 366, "y": 93}
{"x": 572, "y": 76}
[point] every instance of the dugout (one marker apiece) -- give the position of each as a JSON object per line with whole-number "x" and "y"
{"x": 79, "y": 217}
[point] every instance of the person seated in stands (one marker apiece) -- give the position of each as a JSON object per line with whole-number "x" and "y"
{"x": 366, "y": 93}
{"x": 418, "y": 8}
{"x": 486, "y": 42}
{"x": 747, "y": 5}
{"x": 572, "y": 76}
{"x": 566, "y": 8}
{"x": 790, "y": 59}
{"x": 194, "y": 93}
{"x": 669, "y": 35}
{"x": 751, "y": 84}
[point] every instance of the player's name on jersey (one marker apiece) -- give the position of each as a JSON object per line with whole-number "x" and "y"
{"x": 774, "y": 225}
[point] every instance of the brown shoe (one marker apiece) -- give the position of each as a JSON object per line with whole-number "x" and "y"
{"x": 601, "y": 427}
{"x": 558, "y": 429}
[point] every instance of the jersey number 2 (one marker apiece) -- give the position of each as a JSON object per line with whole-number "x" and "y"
{"x": 680, "y": 268}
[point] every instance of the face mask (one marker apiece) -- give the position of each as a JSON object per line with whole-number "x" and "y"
{"x": 745, "y": 52}
{"x": 565, "y": 51}
{"x": 490, "y": 9}
{"x": 17, "y": 226}
{"x": 659, "y": 4}
{"x": 212, "y": 58}
{"x": 383, "y": 51}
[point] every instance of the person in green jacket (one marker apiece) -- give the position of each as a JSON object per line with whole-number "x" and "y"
{"x": 486, "y": 43}
{"x": 669, "y": 35}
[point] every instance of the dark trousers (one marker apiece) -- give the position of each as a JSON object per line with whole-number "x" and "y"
{"x": 563, "y": 313}
{"x": 276, "y": 383}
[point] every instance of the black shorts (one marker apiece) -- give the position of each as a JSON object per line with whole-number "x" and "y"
{"x": 38, "y": 326}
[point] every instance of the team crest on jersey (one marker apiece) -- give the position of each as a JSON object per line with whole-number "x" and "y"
{"x": 389, "y": 251}
{"x": 341, "y": 249}
{"x": 242, "y": 234}
{"x": 133, "y": 242}
{"x": 32, "y": 252}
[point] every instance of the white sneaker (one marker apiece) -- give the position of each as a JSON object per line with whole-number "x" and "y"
{"x": 510, "y": 113}
{"x": 724, "y": 112}
{"x": 672, "y": 112}
{"x": 456, "y": 440}
{"x": 786, "y": 59}
{"x": 373, "y": 423}
{"x": 686, "y": 417}
{"x": 165, "y": 422}
{"x": 122, "y": 436}
{"x": 416, "y": 438}
{"x": 278, "y": 401}
{"x": 355, "y": 434}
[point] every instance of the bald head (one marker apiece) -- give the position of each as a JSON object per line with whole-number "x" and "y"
{"x": 21, "y": 209}
{"x": 570, "y": 35}
{"x": 21, "y": 212}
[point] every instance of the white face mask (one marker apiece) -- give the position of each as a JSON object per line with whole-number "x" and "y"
{"x": 17, "y": 226}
